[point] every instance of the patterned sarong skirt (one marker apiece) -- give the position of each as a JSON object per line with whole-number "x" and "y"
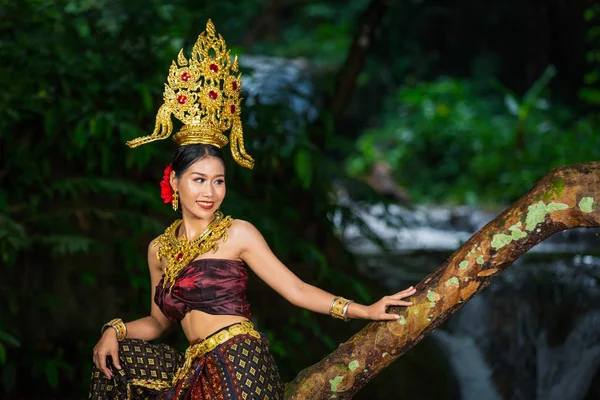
{"x": 232, "y": 363}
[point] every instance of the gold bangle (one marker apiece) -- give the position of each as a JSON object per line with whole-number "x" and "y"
{"x": 118, "y": 325}
{"x": 339, "y": 307}
{"x": 346, "y": 309}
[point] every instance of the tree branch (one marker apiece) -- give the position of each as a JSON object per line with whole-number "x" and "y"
{"x": 566, "y": 198}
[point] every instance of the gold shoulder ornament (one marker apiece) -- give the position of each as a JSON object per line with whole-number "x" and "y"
{"x": 203, "y": 92}
{"x": 180, "y": 252}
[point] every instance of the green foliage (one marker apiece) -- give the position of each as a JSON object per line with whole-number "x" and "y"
{"x": 464, "y": 142}
{"x": 590, "y": 92}
{"x": 78, "y": 208}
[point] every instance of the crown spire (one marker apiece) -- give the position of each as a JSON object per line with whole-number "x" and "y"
{"x": 203, "y": 93}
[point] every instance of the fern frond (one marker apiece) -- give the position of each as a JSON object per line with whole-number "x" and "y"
{"x": 67, "y": 244}
{"x": 77, "y": 186}
{"x": 13, "y": 233}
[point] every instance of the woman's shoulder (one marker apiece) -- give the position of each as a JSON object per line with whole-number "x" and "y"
{"x": 242, "y": 229}
{"x": 240, "y": 226}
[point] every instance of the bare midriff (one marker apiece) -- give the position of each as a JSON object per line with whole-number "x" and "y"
{"x": 197, "y": 325}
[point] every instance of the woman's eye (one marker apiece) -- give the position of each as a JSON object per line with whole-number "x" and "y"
{"x": 200, "y": 180}
{"x": 219, "y": 181}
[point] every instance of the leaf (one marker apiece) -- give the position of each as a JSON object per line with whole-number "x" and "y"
{"x": 68, "y": 244}
{"x": 511, "y": 104}
{"x": 536, "y": 89}
{"x": 13, "y": 233}
{"x": 591, "y": 77}
{"x": 590, "y": 95}
{"x": 5, "y": 337}
{"x": 51, "y": 373}
{"x": 303, "y": 165}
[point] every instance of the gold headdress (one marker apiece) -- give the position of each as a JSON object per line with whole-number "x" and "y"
{"x": 203, "y": 93}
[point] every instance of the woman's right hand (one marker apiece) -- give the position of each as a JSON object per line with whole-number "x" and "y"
{"x": 108, "y": 345}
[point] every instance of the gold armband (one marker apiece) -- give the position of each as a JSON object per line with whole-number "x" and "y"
{"x": 339, "y": 308}
{"x": 118, "y": 326}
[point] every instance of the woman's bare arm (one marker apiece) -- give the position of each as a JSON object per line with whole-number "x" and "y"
{"x": 147, "y": 328}
{"x": 156, "y": 324}
{"x": 257, "y": 254}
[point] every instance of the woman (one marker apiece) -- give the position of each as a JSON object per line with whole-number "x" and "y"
{"x": 206, "y": 292}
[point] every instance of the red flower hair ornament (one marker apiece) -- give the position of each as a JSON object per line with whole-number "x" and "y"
{"x": 166, "y": 191}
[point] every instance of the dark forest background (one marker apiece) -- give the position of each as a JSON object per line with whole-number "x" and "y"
{"x": 466, "y": 102}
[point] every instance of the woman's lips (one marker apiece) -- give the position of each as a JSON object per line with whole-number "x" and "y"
{"x": 207, "y": 205}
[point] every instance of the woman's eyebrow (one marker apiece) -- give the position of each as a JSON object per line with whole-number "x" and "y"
{"x": 202, "y": 174}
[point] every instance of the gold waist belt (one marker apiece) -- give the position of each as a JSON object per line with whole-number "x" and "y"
{"x": 210, "y": 343}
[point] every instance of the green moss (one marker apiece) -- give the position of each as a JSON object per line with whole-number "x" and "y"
{"x": 432, "y": 297}
{"x": 463, "y": 265}
{"x": 353, "y": 365}
{"x": 555, "y": 190}
{"x": 453, "y": 281}
{"x": 402, "y": 320}
{"x": 587, "y": 204}
{"x": 480, "y": 260}
{"x": 501, "y": 240}
{"x": 558, "y": 186}
{"x": 335, "y": 382}
{"x": 536, "y": 213}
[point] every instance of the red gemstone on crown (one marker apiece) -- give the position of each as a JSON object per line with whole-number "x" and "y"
{"x": 179, "y": 257}
{"x": 214, "y": 68}
{"x": 213, "y": 95}
{"x": 186, "y": 76}
{"x": 234, "y": 85}
{"x": 232, "y": 109}
{"x": 182, "y": 99}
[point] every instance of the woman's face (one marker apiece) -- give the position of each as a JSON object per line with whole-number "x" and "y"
{"x": 201, "y": 188}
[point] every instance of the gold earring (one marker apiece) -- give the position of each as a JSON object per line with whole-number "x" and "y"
{"x": 175, "y": 201}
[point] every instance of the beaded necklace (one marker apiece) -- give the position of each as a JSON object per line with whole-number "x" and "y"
{"x": 180, "y": 252}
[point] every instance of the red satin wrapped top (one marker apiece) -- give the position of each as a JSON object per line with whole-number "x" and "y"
{"x": 215, "y": 286}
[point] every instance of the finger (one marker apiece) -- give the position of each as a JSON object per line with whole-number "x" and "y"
{"x": 115, "y": 358}
{"x": 388, "y": 317}
{"x": 409, "y": 290}
{"x": 103, "y": 368}
{"x": 393, "y": 302}
{"x": 404, "y": 293}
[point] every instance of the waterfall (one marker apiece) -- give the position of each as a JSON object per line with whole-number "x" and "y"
{"x": 565, "y": 372}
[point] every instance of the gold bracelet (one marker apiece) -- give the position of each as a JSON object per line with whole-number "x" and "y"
{"x": 118, "y": 325}
{"x": 346, "y": 309}
{"x": 339, "y": 308}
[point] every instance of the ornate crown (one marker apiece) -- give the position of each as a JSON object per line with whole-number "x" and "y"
{"x": 203, "y": 93}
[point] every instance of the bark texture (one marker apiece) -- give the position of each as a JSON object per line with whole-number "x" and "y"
{"x": 568, "y": 197}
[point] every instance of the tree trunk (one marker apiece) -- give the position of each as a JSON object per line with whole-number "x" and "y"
{"x": 361, "y": 43}
{"x": 565, "y": 198}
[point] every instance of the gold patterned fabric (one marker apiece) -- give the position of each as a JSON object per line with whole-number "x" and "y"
{"x": 229, "y": 367}
{"x": 146, "y": 369}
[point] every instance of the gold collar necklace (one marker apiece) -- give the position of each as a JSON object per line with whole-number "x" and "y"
{"x": 180, "y": 252}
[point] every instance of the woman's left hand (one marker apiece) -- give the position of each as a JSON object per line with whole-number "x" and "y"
{"x": 377, "y": 311}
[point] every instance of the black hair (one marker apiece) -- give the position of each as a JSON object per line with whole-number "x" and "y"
{"x": 186, "y": 155}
